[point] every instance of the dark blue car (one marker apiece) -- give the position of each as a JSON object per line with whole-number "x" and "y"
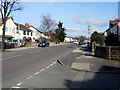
{"x": 43, "y": 43}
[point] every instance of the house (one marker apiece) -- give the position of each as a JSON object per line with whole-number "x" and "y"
{"x": 24, "y": 32}
{"x": 69, "y": 39}
{"x": 11, "y": 29}
{"x": 36, "y": 33}
{"x": 114, "y": 27}
{"x": 19, "y": 31}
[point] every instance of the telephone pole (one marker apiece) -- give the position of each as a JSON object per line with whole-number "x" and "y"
{"x": 89, "y": 33}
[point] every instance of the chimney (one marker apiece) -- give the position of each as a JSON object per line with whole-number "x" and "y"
{"x": 26, "y": 25}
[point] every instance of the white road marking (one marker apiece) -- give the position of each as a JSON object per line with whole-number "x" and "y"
{"x": 54, "y": 62}
{"x": 11, "y": 57}
{"x": 42, "y": 70}
{"x": 15, "y": 87}
{"x": 36, "y": 73}
{"x": 47, "y": 67}
{"x": 29, "y": 77}
{"x": 19, "y": 83}
{"x": 51, "y": 64}
{"x": 78, "y": 57}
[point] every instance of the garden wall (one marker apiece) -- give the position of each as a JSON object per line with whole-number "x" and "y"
{"x": 108, "y": 52}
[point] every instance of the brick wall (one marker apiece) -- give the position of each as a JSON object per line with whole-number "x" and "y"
{"x": 109, "y": 52}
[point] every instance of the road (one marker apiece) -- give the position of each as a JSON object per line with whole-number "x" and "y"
{"x": 21, "y": 64}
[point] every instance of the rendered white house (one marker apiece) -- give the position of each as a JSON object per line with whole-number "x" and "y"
{"x": 19, "y": 31}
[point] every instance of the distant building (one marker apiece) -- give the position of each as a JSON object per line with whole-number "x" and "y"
{"x": 69, "y": 39}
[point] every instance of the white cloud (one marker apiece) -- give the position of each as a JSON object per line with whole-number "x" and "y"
{"x": 74, "y": 29}
{"x": 92, "y": 21}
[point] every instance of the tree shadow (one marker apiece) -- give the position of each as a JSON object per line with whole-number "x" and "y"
{"x": 107, "y": 77}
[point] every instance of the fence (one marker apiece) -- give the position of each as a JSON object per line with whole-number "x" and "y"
{"x": 108, "y": 52}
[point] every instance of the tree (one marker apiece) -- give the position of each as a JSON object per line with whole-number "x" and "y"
{"x": 82, "y": 38}
{"x": 47, "y": 23}
{"x": 7, "y": 6}
{"x": 60, "y": 32}
{"x": 96, "y": 37}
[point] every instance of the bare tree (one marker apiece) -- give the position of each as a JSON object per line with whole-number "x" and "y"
{"x": 7, "y": 6}
{"x": 47, "y": 23}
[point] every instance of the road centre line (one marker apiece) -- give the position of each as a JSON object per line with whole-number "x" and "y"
{"x": 15, "y": 87}
{"x": 19, "y": 83}
{"x": 34, "y": 74}
{"x": 29, "y": 77}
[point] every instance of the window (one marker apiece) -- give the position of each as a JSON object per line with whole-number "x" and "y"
{"x": 24, "y": 32}
{"x": 17, "y": 31}
{"x": 31, "y": 33}
{"x": 13, "y": 30}
{"x": 27, "y": 32}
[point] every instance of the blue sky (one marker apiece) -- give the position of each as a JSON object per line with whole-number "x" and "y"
{"x": 76, "y": 16}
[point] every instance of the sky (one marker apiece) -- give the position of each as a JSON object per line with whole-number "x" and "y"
{"x": 76, "y": 16}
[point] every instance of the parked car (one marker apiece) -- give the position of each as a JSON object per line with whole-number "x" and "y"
{"x": 6, "y": 45}
{"x": 20, "y": 42}
{"x": 43, "y": 43}
{"x": 82, "y": 42}
{"x": 76, "y": 42}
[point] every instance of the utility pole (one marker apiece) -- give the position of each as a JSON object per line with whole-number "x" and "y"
{"x": 89, "y": 33}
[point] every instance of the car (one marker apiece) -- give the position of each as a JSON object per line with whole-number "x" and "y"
{"x": 76, "y": 42}
{"x": 6, "y": 45}
{"x": 20, "y": 42}
{"x": 82, "y": 42}
{"x": 43, "y": 43}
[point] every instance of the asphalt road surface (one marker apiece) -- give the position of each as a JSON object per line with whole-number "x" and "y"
{"x": 18, "y": 65}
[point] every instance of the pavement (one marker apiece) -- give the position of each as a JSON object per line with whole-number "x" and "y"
{"x": 23, "y": 48}
{"x": 79, "y": 69}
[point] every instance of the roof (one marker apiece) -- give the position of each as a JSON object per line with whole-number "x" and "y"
{"x": 7, "y": 19}
{"x": 22, "y": 27}
{"x": 36, "y": 29}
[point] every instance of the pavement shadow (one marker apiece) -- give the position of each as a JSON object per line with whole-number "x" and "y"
{"x": 86, "y": 51}
{"x": 104, "y": 80}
